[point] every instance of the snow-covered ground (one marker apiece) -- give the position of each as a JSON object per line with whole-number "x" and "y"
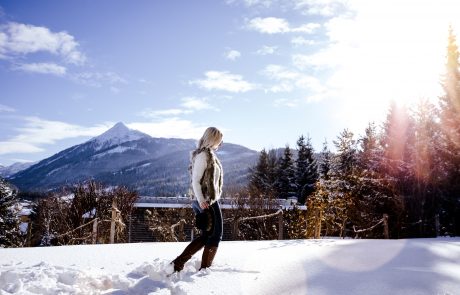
{"x": 327, "y": 266}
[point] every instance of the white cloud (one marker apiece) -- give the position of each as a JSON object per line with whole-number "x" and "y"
{"x": 282, "y": 86}
{"x": 13, "y": 147}
{"x": 307, "y": 28}
{"x": 274, "y": 25}
{"x": 325, "y": 8}
{"x": 267, "y": 50}
{"x": 15, "y": 160}
{"x": 288, "y": 80}
{"x": 277, "y": 72}
{"x": 42, "y": 68}
{"x": 22, "y": 39}
{"x": 252, "y": 3}
{"x": 301, "y": 41}
{"x": 4, "y": 108}
{"x": 189, "y": 105}
{"x": 232, "y": 54}
{"x": 3, "y": 39}
{"x": 225, "y": 81}
{"x": 38, "y": 132}
{"x": 269, "y": 25}
{"x": 149, "y": 113}
{"x": 97, "y": 79}
{"x": 303, "y": 61}
{"x": 284, "y": 102}
{"x": 171, "y": 127}
{"x": 198, "y": 104}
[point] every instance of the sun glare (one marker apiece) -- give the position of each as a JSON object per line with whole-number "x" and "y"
{"x": 390, "y": 51}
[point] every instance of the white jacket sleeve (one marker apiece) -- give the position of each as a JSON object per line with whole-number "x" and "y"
{"x": 199, "y": 166}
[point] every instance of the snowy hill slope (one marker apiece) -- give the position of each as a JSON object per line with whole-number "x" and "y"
{"x": 318, "y": 267}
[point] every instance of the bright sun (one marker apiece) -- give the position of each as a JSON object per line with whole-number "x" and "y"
{"x": 392, "y": 50}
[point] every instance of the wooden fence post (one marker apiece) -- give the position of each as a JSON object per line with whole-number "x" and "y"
{"x": 280, "y": 226}
{"x": 112, "y": 222}
{"x": 318, "y": 224}
{"x": 437, "y": 224}
{"x": 181, "y": 230}
{"x": 129, "y": 227}
{"x": 385, "y": 226}
{"x": 235, "y": 229}
{"x": 29, "y": 234}
{"x": 94, "y": 236}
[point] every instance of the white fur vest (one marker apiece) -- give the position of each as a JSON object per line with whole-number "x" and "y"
{"x": 207, "y": 176}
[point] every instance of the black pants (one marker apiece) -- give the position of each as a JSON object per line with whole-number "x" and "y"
{"x": 218, "y": 226}
{"x": 214, "y": 236}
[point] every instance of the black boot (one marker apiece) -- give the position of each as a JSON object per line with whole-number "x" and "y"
{"x": 188, "y": 252}
{"x": 209, "y": 253}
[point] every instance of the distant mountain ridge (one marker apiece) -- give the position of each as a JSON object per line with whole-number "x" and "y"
{"x": 121, "y": 156}
{"x": 7, "y": 171}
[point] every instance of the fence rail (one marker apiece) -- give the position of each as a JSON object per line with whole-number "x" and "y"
{"x": 383, "y": 221}
{"x": 116, "y": 224}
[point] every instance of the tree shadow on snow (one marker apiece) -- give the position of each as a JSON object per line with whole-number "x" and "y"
{"x": 405, "y": 267}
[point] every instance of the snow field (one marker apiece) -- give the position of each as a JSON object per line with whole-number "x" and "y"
{"x": 327, "y": 266}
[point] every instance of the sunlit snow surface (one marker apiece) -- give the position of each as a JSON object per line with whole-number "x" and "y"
{"x": 327, "y": 266}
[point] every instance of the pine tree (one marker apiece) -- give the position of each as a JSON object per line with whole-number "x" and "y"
{"x": 10, "y": 235}
{"x": 450, "y": 138}
{"x": 326, "y": 162}
{"x": 346, "y": 159}
{"x": 370, "y": 151}
{"x": 343, "y": 177}
{"x": 427, "y": 168}
{"x": 397, "y": 141}
{"x": 334, "y": 201}
{"x": 306, "y": 169}
{"x": 319, "y": 203}
{"x": 259, "y": 178}
{"x": 375, "y": 194}
{"x": 285, "y": 180}
{"x": 272, "y": 173}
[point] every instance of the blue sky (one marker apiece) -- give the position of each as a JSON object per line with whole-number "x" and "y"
{"x": 264, "y": 71}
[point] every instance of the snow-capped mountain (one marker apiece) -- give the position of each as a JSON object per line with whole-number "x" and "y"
{"x": 6, "y": 171}
{"x": 122, "y": 156}
{"x": 116, "y": 135}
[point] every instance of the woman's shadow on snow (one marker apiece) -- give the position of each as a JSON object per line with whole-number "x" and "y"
{"x": 144, "y": 286}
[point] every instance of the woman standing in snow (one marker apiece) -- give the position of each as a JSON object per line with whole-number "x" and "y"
{"x": 207, "y": 179}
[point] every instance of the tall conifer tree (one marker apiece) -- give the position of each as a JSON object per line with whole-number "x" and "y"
{"x": 259, "y": 182}
{"x": 306, "y": 169}
{"x": 285, "y": 182}
{"x": 450, "y": 139}
{"x": 326, "y": 162}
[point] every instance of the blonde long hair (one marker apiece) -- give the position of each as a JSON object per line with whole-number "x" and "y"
{"x": 211, "y": 138}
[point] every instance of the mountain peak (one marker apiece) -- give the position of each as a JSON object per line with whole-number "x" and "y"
{"x": 119, "y": 133}
{"x": 120, "y": 126}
